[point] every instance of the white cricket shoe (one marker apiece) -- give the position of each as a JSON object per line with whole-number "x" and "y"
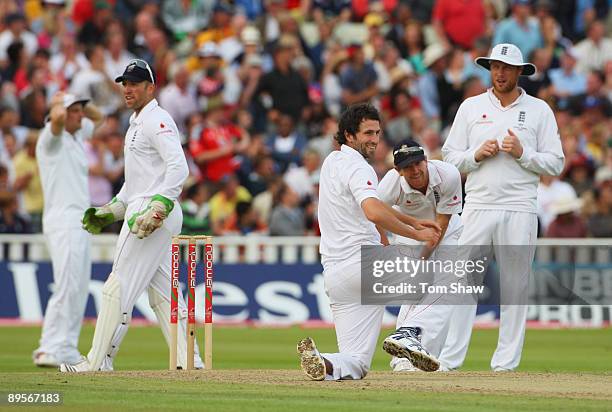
{"x": 311, "y": 361}
{"x": 406, "y": 343}
{"x": 81, "y": 366}
{"x": 404, "y": 365}
{"x": 45, "y": 360}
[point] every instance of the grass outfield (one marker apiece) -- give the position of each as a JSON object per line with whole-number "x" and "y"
{"x": 257, "y": 369}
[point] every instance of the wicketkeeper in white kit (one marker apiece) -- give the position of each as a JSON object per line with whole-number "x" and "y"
{"x": 155, "y": 169}
{"x": 503, "y": 140}
{"x": 62, "y": 163}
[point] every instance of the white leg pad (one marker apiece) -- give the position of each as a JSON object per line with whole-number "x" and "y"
{"x": 111, "y": 326}
{"x": 161, "y": 307}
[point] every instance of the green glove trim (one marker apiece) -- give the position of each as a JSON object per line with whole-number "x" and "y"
{"x": 167, "y": 203}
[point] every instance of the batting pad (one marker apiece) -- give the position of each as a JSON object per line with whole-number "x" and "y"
{"x": 161, "y": 307}
{"x": 111, "y": 326}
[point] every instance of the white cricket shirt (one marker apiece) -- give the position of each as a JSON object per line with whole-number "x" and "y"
{"x": 503, "y": 182}
{"x": 63, "y": 174}
{"x": 443, "y": 195}
{"x": 346, "y": 180}
{"x": 154, "y": 159}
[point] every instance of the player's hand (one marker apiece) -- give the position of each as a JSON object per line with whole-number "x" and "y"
{"x": 427, "y": 235}
{"x": 145, "y": 222}
{"x": 57, "y": 99}
{"x": 512, "y": 145}
{"x": 423, "y": 224}
{"x": 488, "y": 149}
{"x": 97, "y": 218}
{"x": 58, "y": 114}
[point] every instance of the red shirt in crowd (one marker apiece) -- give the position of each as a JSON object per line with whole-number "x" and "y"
{"x": 463, "y": 20}
{"x": 213, "y": 138}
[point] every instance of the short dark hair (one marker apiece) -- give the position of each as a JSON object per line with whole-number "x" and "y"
{"x": 352, "y": 117}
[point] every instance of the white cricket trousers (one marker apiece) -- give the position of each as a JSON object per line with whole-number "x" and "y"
{"x": 433, "y": 313}
{"x": 357, "y": 326}
{"x": 71, "y": 262}
{"x": 499, "y": 228}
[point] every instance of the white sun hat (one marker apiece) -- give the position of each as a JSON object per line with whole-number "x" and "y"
{"x": 509, "y": 54}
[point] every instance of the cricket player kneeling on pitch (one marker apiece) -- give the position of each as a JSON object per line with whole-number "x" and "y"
{"x": 155, "y": 170}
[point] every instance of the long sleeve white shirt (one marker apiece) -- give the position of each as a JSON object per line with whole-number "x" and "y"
{"x": 503, "y": 182}
{"x": 154, "y": 159}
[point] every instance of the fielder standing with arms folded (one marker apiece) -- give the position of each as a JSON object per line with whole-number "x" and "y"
{"x": 62, "y": 163}
{"x": 349, "y": 211}
{"x": 155, "y": 169}
{"x": 503, "y": 140}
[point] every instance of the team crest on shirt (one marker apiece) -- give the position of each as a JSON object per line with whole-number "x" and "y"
{"x": 521, "y": 120}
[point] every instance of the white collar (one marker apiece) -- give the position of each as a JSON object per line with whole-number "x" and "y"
{"x": 148, "y": 107}
{"x": 498, "y": 104}
{"x": 351, "y": 152}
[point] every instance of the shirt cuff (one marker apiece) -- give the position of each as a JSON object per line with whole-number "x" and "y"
{"x": 525, "y": 157}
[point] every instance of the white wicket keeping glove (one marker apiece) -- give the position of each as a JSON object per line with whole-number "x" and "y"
{"x": 145, "y": 222}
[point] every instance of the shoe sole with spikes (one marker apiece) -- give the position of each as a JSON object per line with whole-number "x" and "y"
{"x": 420, "y": 358}
{"x": 311, "y": 361}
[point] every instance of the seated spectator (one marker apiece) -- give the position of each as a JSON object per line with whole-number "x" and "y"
{"x": 179, "y": 96}
{"x": 519, "y": 29}
{"x": 264, "y": 202}
{"x": 302, "y": 179}
{"x": 263, "y": 170}
{"x": 15, "y": 29}
{"x": 579, "y": 173}
{"x": 287, "y": 218}
{"x": 10, "y": 219}
{"x": 565, "y": 80}
{"x": 223, "y": 203}
{"x": 600, "y": 223}
{"x": 217, "y": 149}
{"x": 538, "y": 83}
{"x": 28, "y": 181}
{"x": 244, "y": 221}
{"x": 287, "y": 145}
{"x": 358, "y": 79}
{"x": 594, "y": 51}
{"x": 550, "y": 190}
{"x": 567, "y": 223}
{"x": 196, "y": 210}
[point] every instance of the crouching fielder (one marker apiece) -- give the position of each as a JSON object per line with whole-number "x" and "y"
{"x": 155, "y": 169}
{"x": 425, "y": 189}
{"x": 349, "y": 210}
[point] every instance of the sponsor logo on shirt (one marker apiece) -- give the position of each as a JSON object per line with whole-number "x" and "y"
{"x": 483, "y": 119}
{"x": 521, "y": 120}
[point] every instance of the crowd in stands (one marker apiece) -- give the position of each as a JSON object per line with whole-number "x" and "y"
{"x": 256, "y": 87}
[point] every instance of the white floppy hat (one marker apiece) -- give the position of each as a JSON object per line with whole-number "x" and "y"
{"x": 70, "y": 99}
{"x": 509, "y": 54}
{"x": 433, "y": 53}
{"x": 566, "y": 204}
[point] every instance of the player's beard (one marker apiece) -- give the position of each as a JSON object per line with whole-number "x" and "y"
{"x": 506, "y": 88}
{"x": 367, "y": 150}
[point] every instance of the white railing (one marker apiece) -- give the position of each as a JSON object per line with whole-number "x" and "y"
{"x": 288, "y": 250}
{"x": 227, "y": 249}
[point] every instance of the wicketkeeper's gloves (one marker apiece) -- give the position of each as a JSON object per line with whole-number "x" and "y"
{"x": 143, "y": 223}
{"x": 96, "y": 218}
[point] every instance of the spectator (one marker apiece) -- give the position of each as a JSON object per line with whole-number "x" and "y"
{"x": 215, "y": 150}
{"x": 287, "y": 145}
{"x": 244, "y": 221}
{"x": 186, "y": 16}
{"x": 264, "y": 202}
{"x": 94, "y": 83}
{"x": 116, "y": 56}
{"x": 566, "y": 81}
{"x": 28, "y": 182}
{"x": 600, "y": 223}
{"x": 330, "y": 79}
{"x": 10, "y": 219}
{"x": 550, "y": 190}
{"x": 579, "y": 173}
{"x": 94, "y": 29}
{"x": 219, "y": 26}
{"x": 196, "y": 210}
{"x": 594, "y": 95}
{"x": 414, "y": 45}
{"x": 302, "y": 179}
{"x": 179, "y": 96}
{"x": 287, "y": 218}
{"x": 100, "y": 188}
{"x": 358, "y": 79}
{"x": 286, "y": 90}
{"x": 595, "y": 50}
{"x": 16, "y": 30}
{"x": 114, "y": 161}
{"x": 223, "y": 203}
{"x": 519, "y": 29}
{"x": 538, "y": 84}
{"x": 567, "y": 222}
{"x": 459, "y": 23}
{"x": 68, "y": 61}
{"x": 263, "y": 170}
